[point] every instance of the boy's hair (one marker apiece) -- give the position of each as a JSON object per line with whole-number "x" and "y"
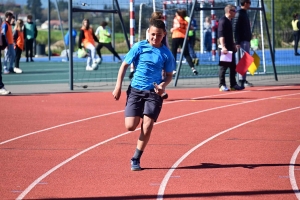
{"x": 156, "y": 15}
{"x": 158, "y": 24}
{"x": 8, "y": 14}
{"x": 29, "y": 16}
{"x": 295, "y": 15}
{"x": 104, "y": 23}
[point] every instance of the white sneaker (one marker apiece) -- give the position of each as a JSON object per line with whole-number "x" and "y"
{"x": 3, "y": 91}
{"x": 17, "y": 70}
{"x": 89, "y": 68}
{"x": 223, "y": 88}
{"x": 94, "y": 65}
{"x": 98, "y": 60}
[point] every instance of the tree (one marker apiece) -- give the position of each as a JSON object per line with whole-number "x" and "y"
{"x": 283, "y": 11}
{"x": 35, "y": 8}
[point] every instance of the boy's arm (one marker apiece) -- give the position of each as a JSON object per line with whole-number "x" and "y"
{"x": 117, "y": 91}
{"x": 160, "y": 89}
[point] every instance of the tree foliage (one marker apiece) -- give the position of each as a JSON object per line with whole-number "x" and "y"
{"x": 35, "y": 8}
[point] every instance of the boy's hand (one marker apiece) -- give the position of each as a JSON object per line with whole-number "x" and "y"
{"x": 116, "y": 93}
{"x": 158, "y": 89}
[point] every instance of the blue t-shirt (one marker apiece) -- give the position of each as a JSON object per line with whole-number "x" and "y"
{"x": 149, "y": 62}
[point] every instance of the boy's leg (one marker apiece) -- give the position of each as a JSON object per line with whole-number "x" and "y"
{"x": 112, "y": 50}
{"x": 146, "y": 129}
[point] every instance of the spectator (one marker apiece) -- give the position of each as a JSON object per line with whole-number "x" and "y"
{"x": 227, "y": 44}
{"x": 296, "y": 33}
{"x": 30, "y": 32}
{"x": 192, "y": 40}
{"x": 254, "y": 43}
{"x": 9, "y": 54}
{"x": 104, "y": 35}
{"x": 19, "y": 44}
{"x": 243, "y": 35}
{"x": 66, "y": 38}
{"x": 87, "y": 38}
{"x": 143, "y": 98}
{"x": 178, "y": 34}
{"x": 3, "y": 91}
{"x": 207, "y": 35}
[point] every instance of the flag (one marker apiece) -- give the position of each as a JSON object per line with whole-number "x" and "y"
{"x": 244, "y": 63}
{"x": 255, "y": 65}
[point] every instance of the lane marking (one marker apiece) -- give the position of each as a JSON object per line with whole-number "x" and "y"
{"x": 103, "y": 115}
{"x": 81, "y": 120}
{"x": 35, "y": 182}
{"x": 177, "y": 163}
{"x": 292, "y": 173}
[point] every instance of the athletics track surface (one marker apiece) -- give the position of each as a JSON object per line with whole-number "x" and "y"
{"x": 205, "y": 145}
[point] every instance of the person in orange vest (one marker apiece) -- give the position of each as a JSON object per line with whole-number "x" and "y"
{"x": 87, "y": 40}
{"x": 3, "y": 90}
{"x": 296, "y": 32}
{"x": 19, "y": 44}
{"x": 10, "y": 52}
{"x": 178, "y": 31}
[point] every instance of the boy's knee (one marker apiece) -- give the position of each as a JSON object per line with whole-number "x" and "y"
{"x": 130, "y": 127}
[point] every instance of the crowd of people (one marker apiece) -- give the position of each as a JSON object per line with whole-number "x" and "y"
{"x": 18, "y": 36}
{"x": 15, "y": 37}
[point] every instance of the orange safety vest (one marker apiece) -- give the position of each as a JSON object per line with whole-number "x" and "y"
{"x": 9, "y": 34}
{"x": 88, "y": 37}
{"x": 20, "y": 40}
{"x": 180, "y": 27}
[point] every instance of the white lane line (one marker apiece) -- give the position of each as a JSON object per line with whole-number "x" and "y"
{"x": 34, "y": 183}
{"x": 103, "y": 115}
{"x": 177, "y": 163}
{"x": 53, "y": 127}
{"x": 292, "y": 173}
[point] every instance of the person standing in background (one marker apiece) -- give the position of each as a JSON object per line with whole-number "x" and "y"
{"x": 87, "y": 39}
{"x": 9, "y": 52}
{"x": 104, "y": 35}
{"x": 19, "y": 44}
{"x": 192, "y": 40}
{"x": 178, "y": 31}
{"x": 243, "y": 34}
{"x": 296, "y": 33}
{"x": 3, "y": 91}
{"x": 207, "y": 28}
{"x": 30, "y": 32}
{"x": 227, "y": 44}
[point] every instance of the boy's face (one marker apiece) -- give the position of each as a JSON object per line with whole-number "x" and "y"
{"x": 9, "y": 18}
{"x": 156, "y": 35}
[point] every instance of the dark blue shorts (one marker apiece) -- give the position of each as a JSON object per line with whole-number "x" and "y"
{"x": 143, "y": 102}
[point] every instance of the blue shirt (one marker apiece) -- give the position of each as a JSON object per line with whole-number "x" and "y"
{"x": 149, "y": 62}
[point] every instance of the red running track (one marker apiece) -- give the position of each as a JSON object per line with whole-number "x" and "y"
{"x": 206, "y": 144}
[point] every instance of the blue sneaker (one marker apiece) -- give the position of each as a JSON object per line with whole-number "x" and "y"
{"x": 135, "y": 165}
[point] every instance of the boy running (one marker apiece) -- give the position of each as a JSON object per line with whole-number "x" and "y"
{"x": 144, "y": 99}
